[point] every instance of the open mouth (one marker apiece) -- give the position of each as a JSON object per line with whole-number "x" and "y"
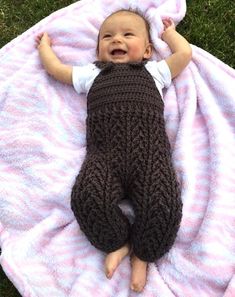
{"x": 118, "y": 52}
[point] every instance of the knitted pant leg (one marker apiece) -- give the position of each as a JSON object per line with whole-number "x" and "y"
{"x": 156, "y": 198}
{"x": 94, "y": 200}
{"x": 156, "y": 222}
{"x": 157, "y": 216}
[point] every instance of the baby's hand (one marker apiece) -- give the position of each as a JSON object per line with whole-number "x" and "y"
{"x": 43, "y": 38}
{"x": 168, "y": 24}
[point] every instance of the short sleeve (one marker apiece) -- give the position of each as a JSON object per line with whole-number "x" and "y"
{"x": 160, "y": 72}
{"x": 83, "y": 77}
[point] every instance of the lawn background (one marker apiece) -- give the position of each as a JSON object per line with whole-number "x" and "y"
{"x": 209, "y": 24}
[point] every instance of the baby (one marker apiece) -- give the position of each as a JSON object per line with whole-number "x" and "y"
{"x": 128, "y": 153}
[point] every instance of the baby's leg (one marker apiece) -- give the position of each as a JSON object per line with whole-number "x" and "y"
{"x": 158, "y": 211}
{"x": 94, "y": 201}
{"x": 157, "y": 218}
{"x": 156, "y": 200}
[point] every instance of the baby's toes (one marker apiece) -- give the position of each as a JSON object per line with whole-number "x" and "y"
{"x": 137, "y": 287}
{"x": 109, "y": 271}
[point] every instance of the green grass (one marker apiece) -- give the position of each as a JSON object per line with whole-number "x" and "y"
{"x": 6, "y": 288}
{"x": 208, "y": 24}
{"x": 17, "y": 16}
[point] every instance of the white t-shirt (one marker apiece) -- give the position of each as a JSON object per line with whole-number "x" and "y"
{"x": 84, "y": 76}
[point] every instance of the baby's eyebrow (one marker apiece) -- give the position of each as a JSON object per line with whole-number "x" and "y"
{"x": 129, "y": 29}
{"x": 106, "y": 30}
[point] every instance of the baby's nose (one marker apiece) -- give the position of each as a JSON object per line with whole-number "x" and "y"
{"x": 117, "y": 38}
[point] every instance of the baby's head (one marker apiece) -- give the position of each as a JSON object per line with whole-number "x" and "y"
{"x": 124, "y": 37}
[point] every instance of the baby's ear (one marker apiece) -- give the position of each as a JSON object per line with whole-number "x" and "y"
{"x": 148, "y": 51}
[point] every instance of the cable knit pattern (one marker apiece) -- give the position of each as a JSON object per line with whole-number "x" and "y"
{"x": 128, "y": 156}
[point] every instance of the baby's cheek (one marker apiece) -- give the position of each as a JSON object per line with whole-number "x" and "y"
{"x": 136, "y": 52}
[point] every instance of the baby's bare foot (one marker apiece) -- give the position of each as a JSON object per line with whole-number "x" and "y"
{"x": 139, "y": 274}
{"x": 113, "y": 259}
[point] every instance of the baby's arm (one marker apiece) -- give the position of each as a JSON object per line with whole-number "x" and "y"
{"x": 181, "y": 50}
{"x": 51, "y": 62}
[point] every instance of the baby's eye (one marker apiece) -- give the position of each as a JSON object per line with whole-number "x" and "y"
{"x": 107, "y": 36}
{"x": 128, "y": 34}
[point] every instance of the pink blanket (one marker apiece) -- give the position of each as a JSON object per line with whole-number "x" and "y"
{"x": 42, "y": 137}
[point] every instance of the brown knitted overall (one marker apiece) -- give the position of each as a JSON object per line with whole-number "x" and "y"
{"x": 128, "y": 157}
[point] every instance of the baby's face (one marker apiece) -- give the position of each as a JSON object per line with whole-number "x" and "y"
{"x": 123, "y": 38}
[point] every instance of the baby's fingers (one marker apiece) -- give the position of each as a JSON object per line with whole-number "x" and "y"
{"x": 168, "y": 23}
{"x": 43, "y": 38}
{"x": 38, "y": 37}
{"x": 165, "y": 22}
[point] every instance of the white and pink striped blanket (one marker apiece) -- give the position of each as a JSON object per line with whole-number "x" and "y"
{"x": 42, "y": 146}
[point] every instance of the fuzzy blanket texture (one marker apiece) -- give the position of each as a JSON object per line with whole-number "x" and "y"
{"x": 43, "y": 144}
